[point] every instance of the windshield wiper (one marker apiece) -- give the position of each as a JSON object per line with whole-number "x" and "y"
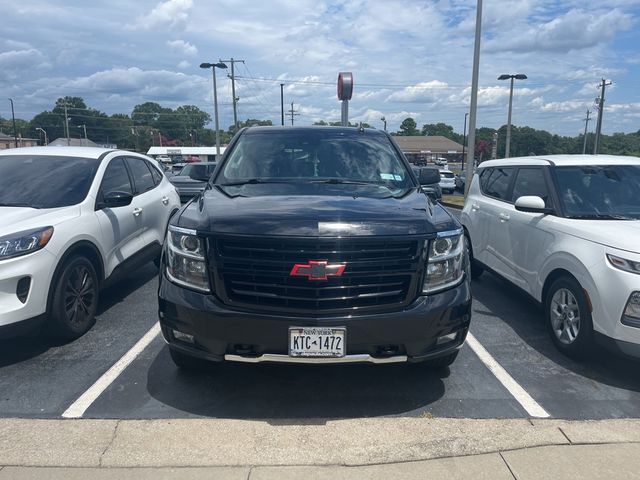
{"x": 251, "y": 181}
{"x": 339, "y": 181}
{"x": 600, "y": 216}
{"x": 26, "y": 205}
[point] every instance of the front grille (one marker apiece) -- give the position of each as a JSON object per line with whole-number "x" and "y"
{"x": 254, "y": 272}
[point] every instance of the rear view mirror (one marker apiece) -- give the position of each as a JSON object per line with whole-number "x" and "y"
{"x": 429, "y": 176}
{"x": 117, "y": 199}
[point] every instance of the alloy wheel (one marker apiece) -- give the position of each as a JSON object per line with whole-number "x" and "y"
{"x": 565, "y": 316}
{"x": 79, "y": 295}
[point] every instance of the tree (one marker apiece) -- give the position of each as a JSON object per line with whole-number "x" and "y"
{"x": 441, "y": 129}
{"x": 408, "y": 127}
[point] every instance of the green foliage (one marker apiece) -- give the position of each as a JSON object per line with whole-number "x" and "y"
{"x": 408, "y": 127}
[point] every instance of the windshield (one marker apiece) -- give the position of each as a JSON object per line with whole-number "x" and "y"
{"x": 45, "y": 181}
{"x": 197, "y": 170}
{"x": 609, "y": 191}
{"x": 315, "y": 156}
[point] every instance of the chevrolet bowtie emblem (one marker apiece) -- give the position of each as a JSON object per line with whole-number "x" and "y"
{"x": 318, "y": 270}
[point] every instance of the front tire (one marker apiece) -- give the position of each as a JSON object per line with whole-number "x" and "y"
{"x": 474, "y": 267}
{"x": 568, "y": 317}
{"x": 75, "y": 299}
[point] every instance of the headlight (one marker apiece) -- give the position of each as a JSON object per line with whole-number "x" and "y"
{"x": 22, "y": 243}
{"x": 445, "y": 264}
{"x": 186, "y": 263}
{"x": 624, "y": 264}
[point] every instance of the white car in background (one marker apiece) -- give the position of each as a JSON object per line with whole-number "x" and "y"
{"x": 71, "y": 220}
{"x": 447, "y": 181}
{"x": 566, "y": 230}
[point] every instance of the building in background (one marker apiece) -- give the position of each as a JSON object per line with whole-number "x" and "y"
{"x": 8, "y": 141}
{"x": 423, "y": 149}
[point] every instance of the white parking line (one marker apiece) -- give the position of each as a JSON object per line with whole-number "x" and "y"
{"x": 77, "y": 408}
{"x": 532, "y": 407}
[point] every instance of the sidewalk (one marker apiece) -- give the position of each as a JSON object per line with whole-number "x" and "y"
{"x": 404, "y": 448}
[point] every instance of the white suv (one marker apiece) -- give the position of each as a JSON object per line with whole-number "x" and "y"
{"x": 566, "y": 230}
{"x": 72, "y": 219}
{"x": 447, "y": 181}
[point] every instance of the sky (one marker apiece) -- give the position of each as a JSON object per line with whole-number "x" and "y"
{"x": 408, "y": 58}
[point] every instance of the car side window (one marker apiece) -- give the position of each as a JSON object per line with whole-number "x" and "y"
{"x": 116, "y": 178}
{"x": 531, "y": 181}
{"x": 157, "y": 176}
{"x": 498, "y": 182}
{"x": 142, "y": 177}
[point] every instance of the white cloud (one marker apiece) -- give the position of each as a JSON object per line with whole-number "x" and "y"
{"x": 181, "y": 47}
{"x": 171, "y": 13}
{"x": 574, "y": 30}
{"x": 183, "y": 65}
{"x": 423, "y": 92}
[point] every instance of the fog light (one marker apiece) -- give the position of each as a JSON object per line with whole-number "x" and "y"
{"x": 183, "y": 337}
{"x": 631, "y": 315}
{"x": 22, "y": 290}
{"x": 446, "y": 338}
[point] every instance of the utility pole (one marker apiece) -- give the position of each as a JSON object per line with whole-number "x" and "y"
{"x": 603, "y": 85}
{"x": 474, "y": 98}
{"x": 464, "y": 138}
{"x": 233, "y": 91}
{"x": 66, "y": 123}
{"x": 586, "y": 122}
{"x": 282, "y": 104}
{"x": 292, "y": 113}
{"x": 13, "y": 116}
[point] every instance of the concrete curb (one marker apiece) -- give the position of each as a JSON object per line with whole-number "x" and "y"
{"x": 236, "y": 443}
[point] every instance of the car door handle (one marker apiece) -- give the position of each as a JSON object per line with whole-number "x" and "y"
{"x": 137, "y": 212}
{"x": 165, "y": 200}
{"x": 475, "y": 206}
{"x": 504, "y": 217}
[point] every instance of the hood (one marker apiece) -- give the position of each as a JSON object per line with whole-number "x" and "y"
{"x": 184, "y": 180}
{"x": 314, "y": 210}
{"x": 18, "y": 219}
{"x": 619, "y": 234}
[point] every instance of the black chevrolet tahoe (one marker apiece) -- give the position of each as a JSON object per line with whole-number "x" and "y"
{"x": 314, "y": 245}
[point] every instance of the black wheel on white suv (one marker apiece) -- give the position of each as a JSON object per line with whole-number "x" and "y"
{"x": 75, "y": 299}
{"x": 568, "y": 317}
{"x": 474, "y": 268}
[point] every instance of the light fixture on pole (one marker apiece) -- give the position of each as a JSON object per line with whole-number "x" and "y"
{"x": 385, "y": 123}
{"x": 213, "y": 67}
{"x": 46, "y": 139}
{"x": 84, "y": 127}
{"x": 519, "y": 76}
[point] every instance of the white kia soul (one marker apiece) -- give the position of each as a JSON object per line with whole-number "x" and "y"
{"x": 71, "y": 219}
{"x": 566, "y": 230}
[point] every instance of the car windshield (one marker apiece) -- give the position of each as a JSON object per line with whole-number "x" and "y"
{"x": 197, "y": 170}
{"x": 45, "y": 181}
{"x": 600, "y": 191}
{"x": 315, "y": 155}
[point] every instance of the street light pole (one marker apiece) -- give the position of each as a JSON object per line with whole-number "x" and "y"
{"x": 46, "y": 140}
{"x": 385, "y": 123}
{"x": 13, "y": 116}
{"x": 464, "y": 138}
{"x": 213, "y": 67}
{"x": 474, "y": 97}
{"x": 519, "y": 76}
{"x": 282, "y": 104}
{"x": 84, "y": 127}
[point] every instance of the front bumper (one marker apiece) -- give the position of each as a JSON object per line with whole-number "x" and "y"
{"x": 38, "y": 267}
{"x": 221, "y": 333}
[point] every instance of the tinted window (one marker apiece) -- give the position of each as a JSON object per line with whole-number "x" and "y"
{"x": 600, "y": 191}
{"x": 43, "y": 181}
{"x": 116, "y": 178}
{"x": 446, "y": 174}
{"x": 497, "y": 183}
{"x": 198, "y": 170}
{"x": 155, "y": 173}
{"x": 141, "y": 175}
{"x": 316, "y": 154}
{"x": 531, "y": 181}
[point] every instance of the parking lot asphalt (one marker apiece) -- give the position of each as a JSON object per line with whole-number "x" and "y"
{"x": 511, "y": 370}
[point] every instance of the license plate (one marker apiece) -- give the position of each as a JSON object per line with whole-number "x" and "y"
{"x": 317, "y": 342}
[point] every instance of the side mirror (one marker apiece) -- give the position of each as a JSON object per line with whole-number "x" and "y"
{"x": 429, "y": 176}
{"x": 531, "y": 204}
{"x": 117, "y": 199}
